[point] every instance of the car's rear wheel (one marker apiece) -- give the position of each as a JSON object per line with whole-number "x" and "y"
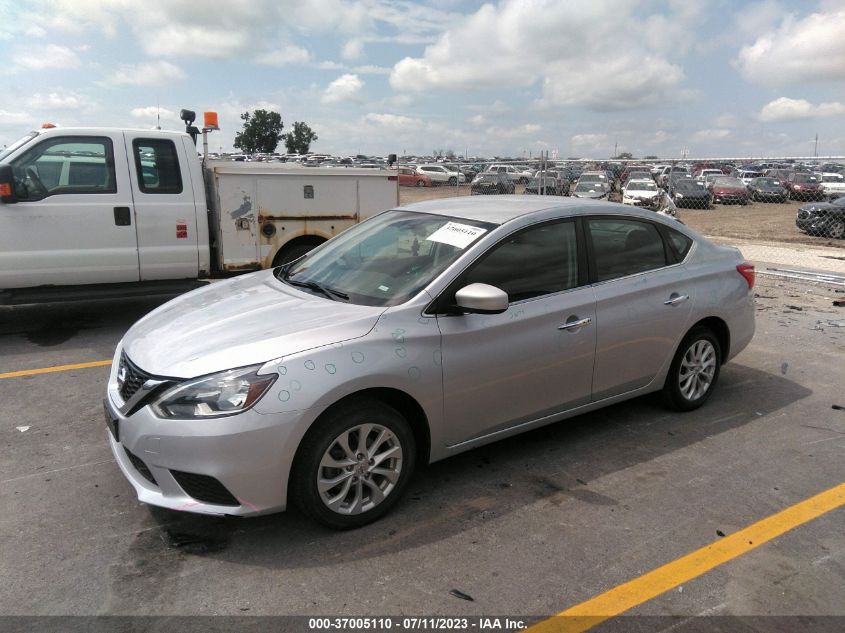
{"x": 421, "y": 183}
{"x": 453, "y": 181}
{"x": 353, "y": 465}
{"x": 694, "y": 370}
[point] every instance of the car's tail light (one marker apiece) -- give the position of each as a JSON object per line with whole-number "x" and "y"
{"x": 747, "y": 271}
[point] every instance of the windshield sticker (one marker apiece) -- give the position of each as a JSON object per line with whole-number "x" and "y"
{"x": 455, "y": 234}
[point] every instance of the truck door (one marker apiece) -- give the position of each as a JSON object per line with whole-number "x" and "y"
{"x": 165, "y": 215}
{"x": 73, "y": 222}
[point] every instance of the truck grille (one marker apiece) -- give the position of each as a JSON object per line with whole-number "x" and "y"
{"x": 205, "y": 488}
{"x": 129, "y": 377}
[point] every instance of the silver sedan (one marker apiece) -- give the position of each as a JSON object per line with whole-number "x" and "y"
{"x": 423, "y": 332}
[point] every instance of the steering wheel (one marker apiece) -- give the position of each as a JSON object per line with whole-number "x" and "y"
{"x": 36, "y": 181}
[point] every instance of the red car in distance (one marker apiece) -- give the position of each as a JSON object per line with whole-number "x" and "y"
{"x": 408, "y": 177}
{"x": 727, "y": 189}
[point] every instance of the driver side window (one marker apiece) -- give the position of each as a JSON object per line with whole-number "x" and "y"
{"x": 65, "y": 165}
{"x": 537, "y": 261}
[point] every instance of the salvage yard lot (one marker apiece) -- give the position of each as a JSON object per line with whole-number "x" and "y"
{"x": 764, "y": 221}
{"x": 525, "y": 527}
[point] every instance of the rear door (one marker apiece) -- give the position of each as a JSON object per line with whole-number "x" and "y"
{"x": 73, "y": 222}
{"x": 643, "y": 303}
{"x": 165, "y": 213}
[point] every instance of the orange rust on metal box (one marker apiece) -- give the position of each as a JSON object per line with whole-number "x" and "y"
{"x": 303, "y": 218}
{"x": 233, "y": 267}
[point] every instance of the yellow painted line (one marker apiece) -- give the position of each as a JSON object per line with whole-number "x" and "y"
{"x": 50, "y": 370}
{"x": 613, "y": 602}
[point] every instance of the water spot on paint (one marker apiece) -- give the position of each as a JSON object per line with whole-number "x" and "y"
{"x": 401, "y": 352}
{"x": 309, "y": 365}
{"x": 357, "y": 357}
{"x": 284, "y": 396}
{"x": 331, "y": 368}
{"x": 295, "y": 385}
{"x": 438, "y": 357}
{"x": 414, "y": 373}
{"x": 282, "y": 370}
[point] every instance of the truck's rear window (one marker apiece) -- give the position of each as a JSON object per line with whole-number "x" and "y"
{"x": 157, "y": 163}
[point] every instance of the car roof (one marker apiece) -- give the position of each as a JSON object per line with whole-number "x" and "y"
{"x": 502, "y": 209}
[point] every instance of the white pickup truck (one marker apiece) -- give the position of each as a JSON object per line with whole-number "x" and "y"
{"x": 94, "y": 208}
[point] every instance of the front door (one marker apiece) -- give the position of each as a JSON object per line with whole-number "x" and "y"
{"x": 73, "y": 222}
{"x": 536, "y": 358}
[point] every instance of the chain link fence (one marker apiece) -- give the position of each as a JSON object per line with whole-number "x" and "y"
{"x": 788, "y": 211}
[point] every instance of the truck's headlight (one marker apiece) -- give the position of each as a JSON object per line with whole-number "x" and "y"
{"x": 214, "y": 396}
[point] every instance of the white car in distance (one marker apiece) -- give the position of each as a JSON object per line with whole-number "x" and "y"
{"x": 640, "y": 192}
{"x": 441, "y": 175}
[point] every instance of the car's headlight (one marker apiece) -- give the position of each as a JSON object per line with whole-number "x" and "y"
{"x": 225, "y": 393}
{"x": 679, "y": 195}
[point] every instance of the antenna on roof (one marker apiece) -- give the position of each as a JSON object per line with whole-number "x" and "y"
{"x": 158, "y": 114}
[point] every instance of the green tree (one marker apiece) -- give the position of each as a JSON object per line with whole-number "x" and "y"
{"x": 299, "y": 139}
{"x": 624, "y": 156}
{"x": 650, "y": 157}
{"x": 262, "y": 132}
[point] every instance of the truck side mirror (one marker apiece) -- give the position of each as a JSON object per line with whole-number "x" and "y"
{"x": 7, "y": 185}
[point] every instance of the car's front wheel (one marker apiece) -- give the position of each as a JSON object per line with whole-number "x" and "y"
{"x": 694, "y": 370}
{"x": 421, "y": 183}
{"x": 836, "y": 229}
{"x": 353, "y": 464}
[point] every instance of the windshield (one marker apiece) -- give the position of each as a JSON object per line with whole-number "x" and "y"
{"x": 770, "y": 182}
{"x": 688, "y": 185}
{"x": 547, "y": 182}
{"x": 646, "y": 185}
{"x": 386, "y": 260}
{"x": 728, "y": 182}
{"x": 19, "y": 143}
{"x": 583, "y": 187}
{"x": 805, "y": 178}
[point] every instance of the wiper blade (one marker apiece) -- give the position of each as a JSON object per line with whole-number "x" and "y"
{"x": 313, "y": 285}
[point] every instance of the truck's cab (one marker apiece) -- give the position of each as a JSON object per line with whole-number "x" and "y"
{"x": 93, "y": 205}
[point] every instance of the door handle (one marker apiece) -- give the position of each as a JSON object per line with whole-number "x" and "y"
{"x": 122, "y": 216}
{"x": 569, "y": 325}
{"x": 675, "y": 299}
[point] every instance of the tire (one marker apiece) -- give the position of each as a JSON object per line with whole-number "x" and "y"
{"x": 421, "y": 183}
{"x": 369, "y": 494}
{"x": 835, "y": 229}
{"x": 453, "y": 181}
{"x": 694, "y": 370}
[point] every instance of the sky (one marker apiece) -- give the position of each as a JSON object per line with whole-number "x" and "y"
{"x": 671, "y": 78}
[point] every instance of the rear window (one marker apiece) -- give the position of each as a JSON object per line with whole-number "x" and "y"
{"x": 157, "y": 163}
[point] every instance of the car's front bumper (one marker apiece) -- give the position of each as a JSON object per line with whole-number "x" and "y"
{"x": 237, "y": 465}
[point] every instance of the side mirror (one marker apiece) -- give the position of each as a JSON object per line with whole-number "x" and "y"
{"x": 7, "y": 185}
{"x": 482, "y": 299}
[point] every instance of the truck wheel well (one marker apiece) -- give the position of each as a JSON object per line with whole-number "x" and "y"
{"x": 296, "y": 248}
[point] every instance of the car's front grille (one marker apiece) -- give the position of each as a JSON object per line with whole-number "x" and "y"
{"x": 140, "y": 466}
{"x": 205, "y": 488}
{"x": 129, "y": 377}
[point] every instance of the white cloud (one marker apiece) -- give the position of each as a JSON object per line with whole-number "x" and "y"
{"x": 810, "y": 49}
{"x": 353, "y": 49}
{"x": 477, "y": 120}
{"x": 589, "y": 140}
{"x": 726, "y": 120}
{"x": 703, "y": 136}
{"x": 58, "y": 101}
{"x": 510, "y": 133}
{"x": 786, "y": 109}
{"x": 345, "y": 88}
{"x": 505, "y": 46}
{"x": 370, "y": 69}
{"x": 16, "y": 118}
{"x": 153, "y": 112}
{"x": 146, "y": 74}
{"x": 330, "y": 65}
{"x": 283, "y": 56}
{"x": 52, "y": 57}
{"x": 393, "y": 121}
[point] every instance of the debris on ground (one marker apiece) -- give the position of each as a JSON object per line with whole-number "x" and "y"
{"x": 462, "y": 595}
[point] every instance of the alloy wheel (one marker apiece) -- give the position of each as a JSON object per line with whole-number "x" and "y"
{"x": 697, "y": 370}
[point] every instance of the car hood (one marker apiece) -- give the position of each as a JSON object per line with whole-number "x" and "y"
{"x": 820, "y": 206}
{"x": 599, "y": 193}
{"x": 239, "y": 322}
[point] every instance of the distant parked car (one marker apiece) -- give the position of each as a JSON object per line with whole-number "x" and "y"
{"x": 491, "y": 183}
{"x": 550, "y": 187}
{"x": 766, "y": 189}
{"x": 635, "y": 175}
{"x": 441, "y": 175}
{"x": 511, "y": 172}
{"x": 746, "y": 176}
{"x": 833, "y": 185}
{"x": 804, "y": 186}
{"x": 408, "y": 177}
{"x": 640, "y": 192}
{"x": 727, "y": 189}
{"x": 687, "y": 192}
{"x": 590, "y": 189}
{"x": 822, "y": 219}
